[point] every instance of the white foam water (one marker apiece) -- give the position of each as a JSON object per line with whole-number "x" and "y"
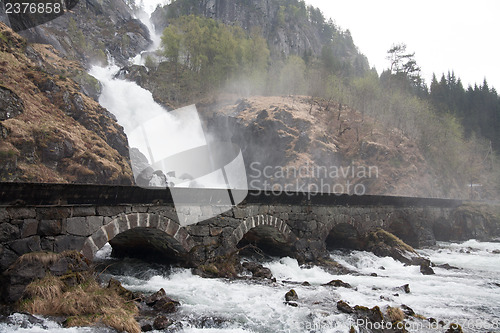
{"x": 466, "y": 295}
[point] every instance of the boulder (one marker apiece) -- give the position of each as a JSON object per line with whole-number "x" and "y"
{"x": 426, "y": 269}
{"x": 36, "y": 265}
{"x": 116, "y": 285}
{"x": 407, "y": 310}
{"x": 161, "y": 302}
{"x": 258, "y": 271}
{"x": 338, "y": 284}
{"x": 374, "y": 314}
{"x": 161, "y": 323}
{"x": 291, "y": 296}
{"x": 344, "y": 307}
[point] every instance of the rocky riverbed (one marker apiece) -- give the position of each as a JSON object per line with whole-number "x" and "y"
{"x": 370, "y": 294}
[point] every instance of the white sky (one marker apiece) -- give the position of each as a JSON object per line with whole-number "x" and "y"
{"x": 444, "y": 34}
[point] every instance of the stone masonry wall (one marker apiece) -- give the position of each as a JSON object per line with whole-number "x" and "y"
{"x": 304, "y": 226}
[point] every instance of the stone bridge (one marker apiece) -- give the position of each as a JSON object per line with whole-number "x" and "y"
{"x": 59, "y": 217}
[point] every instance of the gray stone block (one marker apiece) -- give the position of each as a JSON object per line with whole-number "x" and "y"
{"x": 140, "y": 209}
{"x": 112, "y": 210}
{"x": 8, "y": 232}
{"x": 67, "y": 242}
{"x": 50, "y": 227}
{"x": 197, "y": 230}
{"x": 47, "y": 244}
{"x": 83, "y": 226}
{"x": 52, "y": 213}
{"x": 7, "y": 257}
{"x": 100, "y": 237}
{"x": 18, "y": 223}
{"x": 29, "y": 228}
{"x": 4, "y": 215}
{"x": 21, "y": 213}
{"x": 83, "y": 211}
{"x": 76, "y": 226}
{"x": 26, "y": 245}
{"x": 94, "y": 223}
{"x": 240, "y": 213}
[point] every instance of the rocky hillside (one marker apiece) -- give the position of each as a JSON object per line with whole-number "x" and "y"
{"x": 310, "y": 145}
{"x": 50, "y": 131}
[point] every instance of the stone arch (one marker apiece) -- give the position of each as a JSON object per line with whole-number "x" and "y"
{"x": 183, "y": 242}
{"x": 262, "y": 220}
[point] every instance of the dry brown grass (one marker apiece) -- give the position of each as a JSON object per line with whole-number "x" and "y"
{"x": 50, "y": 287}
{"x": 394, "y": 314}
{"x": 85, "y": 304}
{"x": 392, "y": 240}
{"x": 45, "y": 258}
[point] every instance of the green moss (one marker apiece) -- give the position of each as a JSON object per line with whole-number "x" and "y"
{"x": 7, "y": 153}
{"x": 382, "y": 236}
{"x": 3, "y": 37}
{"x": 210, "y": 269}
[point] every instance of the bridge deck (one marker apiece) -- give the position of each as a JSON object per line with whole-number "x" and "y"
{"x": 34, "y": 194}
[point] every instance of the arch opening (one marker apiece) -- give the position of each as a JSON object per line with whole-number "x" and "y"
{"x": 148, "y": 244}
{"x": 265, "y": 240}
{"x": 344, "y": 236}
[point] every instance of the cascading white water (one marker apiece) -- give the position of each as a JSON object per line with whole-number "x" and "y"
{"x": 147, "y": 7}
{"x": 134, "y": 106}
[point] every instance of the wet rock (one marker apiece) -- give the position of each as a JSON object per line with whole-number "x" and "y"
{"x": 153, "y": 298}
{"x": 426, "y": 269}
{"x": 147, "y": 328}
{"x": 446, "y": 266}
{"x": 333, "y": 267}
{"x": 25, "y": 321}
{"x": 407, "y": 310}
{"x": 405, "y": 288}
{"x": 258, "y": 271}
{"x": 166, "y": 304}
{"x": 344, "y": 307}
{"x": 338, "y": 284}
{"x": 211, "y": 322}
{"x": 291, "y": 296}
{"x": 161, "y": 302}
{"x": 116, "y": 285}
{"x": 374, "y": 314}
{"x": 161, "y": 323}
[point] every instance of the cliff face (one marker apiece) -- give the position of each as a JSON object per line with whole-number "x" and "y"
{"x": 91, "y": 30}
{"x": 289, "y": 26}
{"x": 49, "y": 130}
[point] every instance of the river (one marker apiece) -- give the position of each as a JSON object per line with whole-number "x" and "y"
{"x": 469, "y": 295}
